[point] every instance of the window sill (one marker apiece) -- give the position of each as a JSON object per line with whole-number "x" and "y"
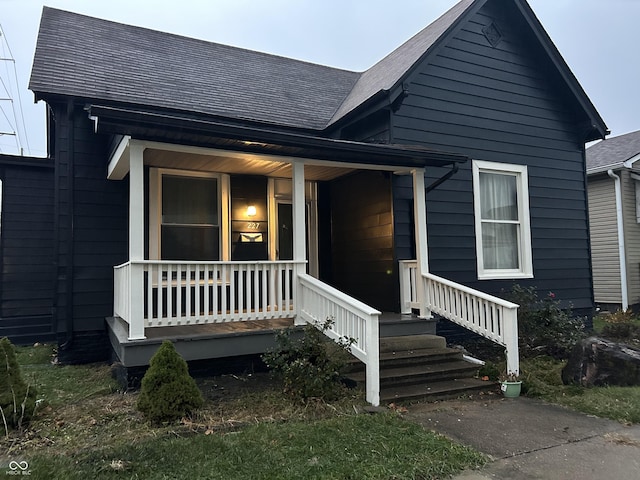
{"x": 504, "y": 276}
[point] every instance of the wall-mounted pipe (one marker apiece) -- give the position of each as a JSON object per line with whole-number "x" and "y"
{"x": 621, "y": 244}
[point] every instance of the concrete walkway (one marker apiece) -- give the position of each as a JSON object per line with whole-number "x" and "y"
{"x": 527, "y": 439}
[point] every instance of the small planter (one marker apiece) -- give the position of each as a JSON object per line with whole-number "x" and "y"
{"x": 511, "y": 389}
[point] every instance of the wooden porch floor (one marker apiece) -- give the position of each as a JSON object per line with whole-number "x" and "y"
{"x": 218, "y": 340}
{"x": 216, "y": 329}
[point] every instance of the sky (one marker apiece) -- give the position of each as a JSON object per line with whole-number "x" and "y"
{"x": 598, "y": 40}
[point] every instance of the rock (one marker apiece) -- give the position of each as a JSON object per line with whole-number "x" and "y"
{"x": 596, "y": 362}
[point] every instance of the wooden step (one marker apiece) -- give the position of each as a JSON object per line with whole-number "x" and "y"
{"x": 414, "y": 374}
{"x": 440, "y": 390}
{"x": 421, "y": 367}
{"x": 410, "y": 357}
{"x": 411, "y": 342}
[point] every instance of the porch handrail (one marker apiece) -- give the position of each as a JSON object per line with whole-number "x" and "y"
{"x": 352, "y": 319}
{"x": 489, "y": 316}
{"x": 121, "y": 290}
{"x": 157, "y": 293}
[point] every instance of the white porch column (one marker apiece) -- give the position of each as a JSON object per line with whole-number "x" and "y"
{"x": 420, "y": 221}
{"x": 299, "y": 232}
{"x": 136, "y": 240}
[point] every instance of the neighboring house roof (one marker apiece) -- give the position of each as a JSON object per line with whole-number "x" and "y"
{"x": 91, "y": 58}
{"x": 612, "y": 153}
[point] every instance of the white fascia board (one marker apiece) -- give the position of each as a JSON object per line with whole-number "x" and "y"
{"x": 119, "y": 162}
{"x": 629, "y": 163}
{"x": 605, "y": 168}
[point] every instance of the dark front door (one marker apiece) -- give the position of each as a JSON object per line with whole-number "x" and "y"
{"x": 285, "y": 231}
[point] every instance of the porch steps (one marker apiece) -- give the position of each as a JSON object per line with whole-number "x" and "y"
{"x": 421, "y": 367}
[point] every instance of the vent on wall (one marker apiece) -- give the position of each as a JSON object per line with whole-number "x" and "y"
{"x": 492, "y": 34}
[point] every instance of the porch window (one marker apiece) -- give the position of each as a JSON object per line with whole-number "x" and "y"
{"x": 190, "y": 225}
{"x": 501, "y": 205}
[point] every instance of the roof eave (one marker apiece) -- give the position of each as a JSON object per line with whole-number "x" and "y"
{"x": 250, "y": 138}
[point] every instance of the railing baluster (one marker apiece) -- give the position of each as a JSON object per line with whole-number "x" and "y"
{"x": 273, "y": 269}
{"x": 264, "y": 293}
{"x": 196, "y": 299}
{"x": 187, "y": 293}
{"x": 169, "y": 294}
{"x": 232, "y": 293}
{"x": 224, "y": 291}
{"x": 206, "y": 311}
{"x": 479, "y": 312}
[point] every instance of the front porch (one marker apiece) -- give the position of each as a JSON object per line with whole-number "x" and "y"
{"x": 185, "y": 279}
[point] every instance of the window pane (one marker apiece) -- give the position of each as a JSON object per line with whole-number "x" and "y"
{"x": 500, "y": 246}
{"x": 498, "y": 197}
{"x": 190, "y": 243}
{"x": 189, "y": 200}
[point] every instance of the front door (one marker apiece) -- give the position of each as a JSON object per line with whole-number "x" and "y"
{"x": 284, "y": 250}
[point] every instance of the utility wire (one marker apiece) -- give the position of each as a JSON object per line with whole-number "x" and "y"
{"x": 13, "y": 107}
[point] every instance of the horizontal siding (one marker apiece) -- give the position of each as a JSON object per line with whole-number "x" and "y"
{"x": 502, "y": 105}
{"x": 632, "y": 236}
{"x": 26, "y": 239}
{"x": 99, "y": 215}
{"x": 604, "y": 240}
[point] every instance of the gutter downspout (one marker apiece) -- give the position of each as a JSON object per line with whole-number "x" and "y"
{"x": 444, "y": 178}
{"x": 69, "y": 253}
{"x": 621, "y": 243}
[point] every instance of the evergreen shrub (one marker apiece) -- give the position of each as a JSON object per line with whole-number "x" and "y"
{"x": 168, "y": 392}
{"x": 17, "y": 398}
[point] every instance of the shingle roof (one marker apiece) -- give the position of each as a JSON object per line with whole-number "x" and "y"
{"x": 101, "y": 60}
{"x": 392, "y": 68}
{"x": 93, "y": 58}
{"x": 98, "y": 59}
{"x": 613, "y": 152}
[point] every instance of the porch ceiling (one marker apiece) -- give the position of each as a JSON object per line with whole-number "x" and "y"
{"x": 234, "y": 164}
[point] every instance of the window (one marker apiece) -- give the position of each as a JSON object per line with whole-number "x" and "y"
{"x": 501, "y": 207}
{"x": 188, "y": 216}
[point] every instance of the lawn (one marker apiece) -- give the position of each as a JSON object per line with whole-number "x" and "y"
{"x": 541, "y": 379}
{"x": 86, "y": 428}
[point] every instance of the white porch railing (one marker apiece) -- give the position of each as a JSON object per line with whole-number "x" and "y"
{"x": 351, "y": 319}
{"x": 179, "y": 293}
{"x": 486, "y": 315}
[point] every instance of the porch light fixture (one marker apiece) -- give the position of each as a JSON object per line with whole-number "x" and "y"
{"x": 251, "y": 211}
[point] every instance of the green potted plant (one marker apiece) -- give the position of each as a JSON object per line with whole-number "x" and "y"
{"x": 510, "y": 384}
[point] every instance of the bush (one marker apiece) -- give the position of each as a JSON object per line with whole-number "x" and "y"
{"x": 620, "y": 325}
{"x": 310, "y": 367}
{"x": 168, "y": 392}
{"x": 17, "y": 398}
{"x": 544, "y": 328}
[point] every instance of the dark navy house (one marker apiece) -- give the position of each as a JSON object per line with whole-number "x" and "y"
{"x": 210, "y": 194}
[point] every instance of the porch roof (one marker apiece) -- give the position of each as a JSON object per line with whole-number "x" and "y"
{"x": 250, "y": 139}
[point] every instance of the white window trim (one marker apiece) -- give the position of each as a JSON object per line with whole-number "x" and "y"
{"x": 155, "y": 202}
{"x": 524, "y": 250}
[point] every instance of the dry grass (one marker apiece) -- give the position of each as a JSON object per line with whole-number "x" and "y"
{"x": 86, "y": 428}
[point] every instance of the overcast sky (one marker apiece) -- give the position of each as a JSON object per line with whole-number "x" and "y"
{"x": 598, "y": 39}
